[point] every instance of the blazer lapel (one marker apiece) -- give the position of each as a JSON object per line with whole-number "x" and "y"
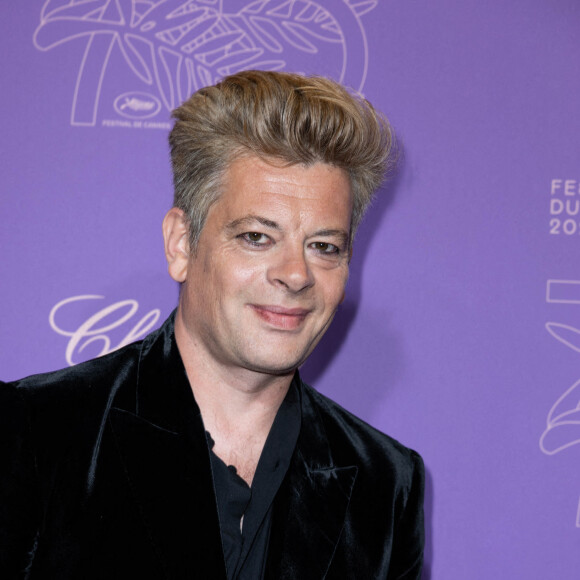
{"x": 161, "y": 440}
{"x": 311, "y": 505}
{"x": 160, "y": 437}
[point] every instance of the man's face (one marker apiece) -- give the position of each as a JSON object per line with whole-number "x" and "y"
{"x": 270, "y": 268}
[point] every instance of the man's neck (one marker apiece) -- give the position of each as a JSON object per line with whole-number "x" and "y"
{"x": 237, "y": 405}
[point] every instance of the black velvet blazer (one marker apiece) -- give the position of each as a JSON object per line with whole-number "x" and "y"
{"x": 101, "y": 479}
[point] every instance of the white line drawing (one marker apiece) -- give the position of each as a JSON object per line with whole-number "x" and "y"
{"x": 567, "y": 335}
{"x": 179, "y": 46}
{"x": 563, "y": 291}
{"x": 563, "y": 421}
{"x": 563, "y": 424}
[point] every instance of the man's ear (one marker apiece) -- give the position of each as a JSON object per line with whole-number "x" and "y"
{"x": 176, "y": 238}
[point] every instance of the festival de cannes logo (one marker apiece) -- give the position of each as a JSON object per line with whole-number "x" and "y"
{"x": 563, "y": 424}
{"x": 175, "y": 47}
{"x": 137, "y": 105}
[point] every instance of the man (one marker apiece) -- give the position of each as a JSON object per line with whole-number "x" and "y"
{"x": 198, "y": 452}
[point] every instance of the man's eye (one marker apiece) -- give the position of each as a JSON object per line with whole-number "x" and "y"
{"x": 255, "y": 238}
{"x": 325, "y": 248}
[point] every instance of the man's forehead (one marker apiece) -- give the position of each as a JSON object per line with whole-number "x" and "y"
{"x": 253, "y": 201}
{"x": 256, "y": 176}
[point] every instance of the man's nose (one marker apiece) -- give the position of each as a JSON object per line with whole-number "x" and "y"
{"x": 291, "y": 270}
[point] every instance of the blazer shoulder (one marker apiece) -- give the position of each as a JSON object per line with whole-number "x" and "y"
{"x": 92, "y": 376}
{"x": 89, "y": 375}
{"x": 351, "y": 438}
{"x": 71, "y": 400}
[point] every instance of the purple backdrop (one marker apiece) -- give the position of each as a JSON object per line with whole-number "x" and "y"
{"x": 460, "y": 334}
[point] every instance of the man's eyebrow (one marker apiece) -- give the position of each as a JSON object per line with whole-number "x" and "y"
{"x": 250, "y": 219}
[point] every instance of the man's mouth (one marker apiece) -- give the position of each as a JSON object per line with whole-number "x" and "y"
{"x": 280, "y": 317}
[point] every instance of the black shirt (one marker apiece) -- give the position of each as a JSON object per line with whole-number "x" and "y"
{"x": 245, "y": 514}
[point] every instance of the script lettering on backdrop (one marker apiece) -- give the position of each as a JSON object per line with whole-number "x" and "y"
{"x": 176, "y": 48}
{"x": 97, "y": 327}
{"x": 563, "y": 424}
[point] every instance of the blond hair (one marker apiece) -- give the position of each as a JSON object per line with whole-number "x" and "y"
{"x": 281, "y": 116}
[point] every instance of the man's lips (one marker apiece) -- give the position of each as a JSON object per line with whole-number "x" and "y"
{"x": 285, "y": 318}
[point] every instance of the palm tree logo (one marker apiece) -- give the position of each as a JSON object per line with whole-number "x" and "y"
{"x": 174, "y": 47}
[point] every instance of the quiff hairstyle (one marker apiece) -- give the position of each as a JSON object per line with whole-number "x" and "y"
{"x": 287, "y": 118}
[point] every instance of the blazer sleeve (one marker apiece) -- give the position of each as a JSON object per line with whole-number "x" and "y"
{"x": 19, "y": 498}
{"x": 409, "y": 538}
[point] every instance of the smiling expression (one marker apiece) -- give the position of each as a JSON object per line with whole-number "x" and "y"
{"x": 270, "y": 267}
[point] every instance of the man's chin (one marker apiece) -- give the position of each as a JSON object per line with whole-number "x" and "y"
{"x": 278, "y": 370}
{"x": 275, "y": 366}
